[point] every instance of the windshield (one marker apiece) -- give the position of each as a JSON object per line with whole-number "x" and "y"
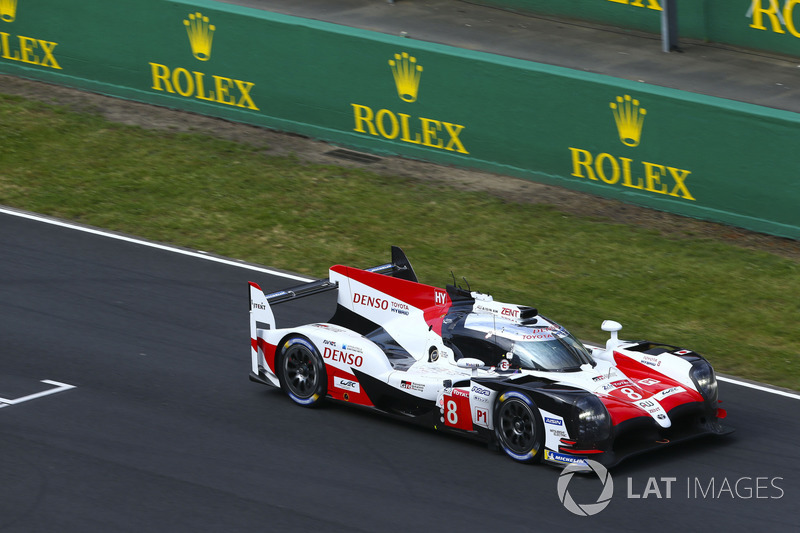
{"x": 563, "y": 352}
{"x": 545, "y": 346}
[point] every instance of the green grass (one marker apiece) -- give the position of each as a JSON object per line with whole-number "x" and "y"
{"x": 738, "y": 307}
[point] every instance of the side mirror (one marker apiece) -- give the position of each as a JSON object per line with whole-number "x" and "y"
{"x": 470, "y": 362}
{"x": 612, "y": 327}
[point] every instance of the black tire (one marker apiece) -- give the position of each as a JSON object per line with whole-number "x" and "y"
{"x": 518, "y": 427}
{"x": 301, "y": 372}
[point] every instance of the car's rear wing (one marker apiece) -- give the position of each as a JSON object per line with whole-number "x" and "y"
{"x": 306, "y": 289}
{"x": 261, "y": 315}
{"x": 400, "y": 267}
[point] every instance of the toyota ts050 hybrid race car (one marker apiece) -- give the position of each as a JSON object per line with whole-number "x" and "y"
{"x": 457, "y": 360}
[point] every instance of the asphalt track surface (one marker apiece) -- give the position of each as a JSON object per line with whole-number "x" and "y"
{"x": 163, "y": 431}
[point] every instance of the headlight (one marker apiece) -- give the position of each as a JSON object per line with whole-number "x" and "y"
{"x": 592, "y": 420}
{"x": 703, "y": 376}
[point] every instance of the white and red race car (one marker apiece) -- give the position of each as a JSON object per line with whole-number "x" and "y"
{"x": 457, "y": 360}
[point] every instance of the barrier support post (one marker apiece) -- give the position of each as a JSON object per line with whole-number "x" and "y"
{"x": 669, "y": 26}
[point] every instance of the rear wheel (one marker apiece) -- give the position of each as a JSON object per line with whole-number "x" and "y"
{"x": 518, "y": 427}
{"x": 302, "y": 372}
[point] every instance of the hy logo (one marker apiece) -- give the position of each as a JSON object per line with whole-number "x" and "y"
{"x": 406, "y": 76}
{"x": 201, "y": 34}
{"x": 8, "y": 10}
{"x": 586, "y": 509}
{"x": 629, "y": 118}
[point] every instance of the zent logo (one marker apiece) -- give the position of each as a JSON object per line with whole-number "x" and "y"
{"x": 507, "y": 311}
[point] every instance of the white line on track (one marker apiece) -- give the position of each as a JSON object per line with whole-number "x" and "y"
{"x": 207, "y": 257}
{"x": 762, "y": 388}
{"x": 59, "y": 387}
{"x": 111, "y": 235}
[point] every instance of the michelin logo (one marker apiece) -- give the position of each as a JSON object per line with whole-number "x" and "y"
{"x": 561, "y": 458}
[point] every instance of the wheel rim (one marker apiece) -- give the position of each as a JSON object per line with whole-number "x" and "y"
{"x": 517, "y": 426}
{"x": 300, "y": 371}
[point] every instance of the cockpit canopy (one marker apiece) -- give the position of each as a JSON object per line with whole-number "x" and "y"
{"x": 543, "y": 346}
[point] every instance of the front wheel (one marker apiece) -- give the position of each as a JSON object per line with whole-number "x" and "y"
{"x": 518, "y": 427}
{"x": 302, "y": 372}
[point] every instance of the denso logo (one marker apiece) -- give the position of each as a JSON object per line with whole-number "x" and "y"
{"x": 369, "y": 301}
{"x": 342, "y": 357}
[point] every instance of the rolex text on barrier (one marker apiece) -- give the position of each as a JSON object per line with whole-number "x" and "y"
{"x": 675, "y": 151}
{"x": 196, "y": 84}
{"x": 392, "y": 125}
{"x": 21, "y": 48}
{"x": 617, "y": 170}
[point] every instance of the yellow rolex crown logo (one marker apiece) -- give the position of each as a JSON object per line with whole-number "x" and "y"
{"x": 201, "y": 33}
{"x": 629, "y": 118}
{"x": 8, "y": 10}
{"x": 406, "y": 76}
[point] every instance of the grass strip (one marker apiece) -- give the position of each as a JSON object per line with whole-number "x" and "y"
{"x": 738, "y": 307}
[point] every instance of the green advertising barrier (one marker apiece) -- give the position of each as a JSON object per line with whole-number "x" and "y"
{"x": 699, "y": 156}
{"x": 770, "y": 25}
